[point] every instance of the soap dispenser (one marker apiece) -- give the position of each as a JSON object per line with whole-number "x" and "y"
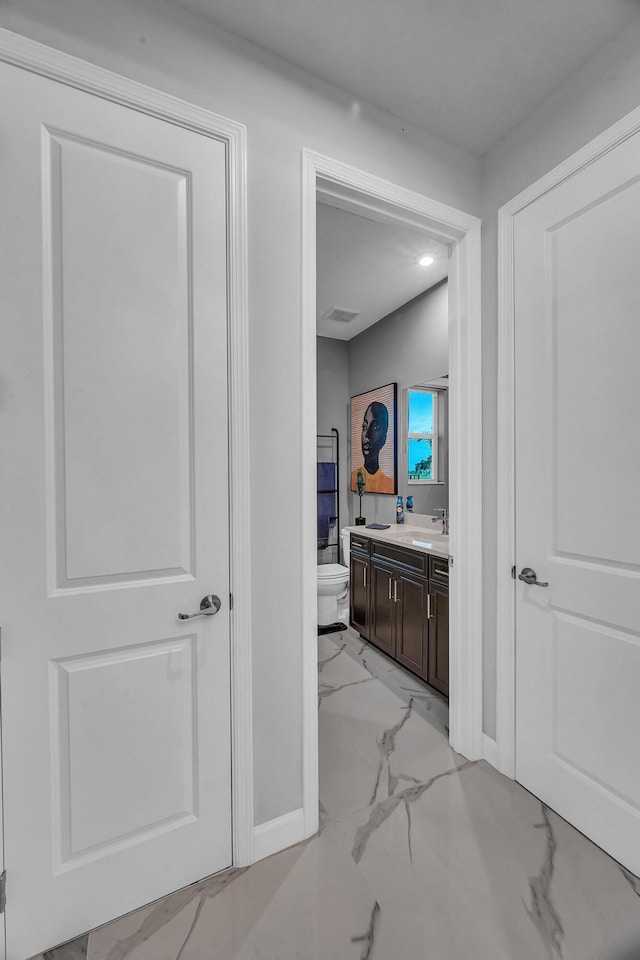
{"x": 399, "y": 511}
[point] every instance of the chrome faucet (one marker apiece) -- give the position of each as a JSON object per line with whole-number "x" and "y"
{"x": 444, "y": 518}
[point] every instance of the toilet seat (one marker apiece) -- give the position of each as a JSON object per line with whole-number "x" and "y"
{"x": 332, "y": 583}
{"x": 332, "y": 571}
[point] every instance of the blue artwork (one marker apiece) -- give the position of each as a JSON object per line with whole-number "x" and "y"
{"x": 327, "y": 507}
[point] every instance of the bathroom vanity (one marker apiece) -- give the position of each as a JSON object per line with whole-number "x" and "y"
{"x": 399, "y": 597}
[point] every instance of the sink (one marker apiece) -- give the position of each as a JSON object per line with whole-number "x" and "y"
{"x": 424, "y": 533}
{"x": 422, "y": 538}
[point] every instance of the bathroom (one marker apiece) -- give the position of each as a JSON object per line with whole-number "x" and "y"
{"x": 398, "y": 337}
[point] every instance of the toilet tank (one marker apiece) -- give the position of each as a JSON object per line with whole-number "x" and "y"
{"x": 345, "y": 537}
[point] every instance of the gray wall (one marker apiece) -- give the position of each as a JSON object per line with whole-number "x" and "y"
{"x": 408, "y": 347}
{"x": 285, "y": 110}
{"x": 600, "y": 92}
{"x": 333, "y": 405}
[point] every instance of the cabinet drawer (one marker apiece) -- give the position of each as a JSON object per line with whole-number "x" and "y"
{"x": 360, "y": 545}
{"x": 408, "y": 559}
{"x": 439, "y": 569}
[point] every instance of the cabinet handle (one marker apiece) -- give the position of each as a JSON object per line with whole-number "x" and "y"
{"x": 390, "y": 582}
{"x": 428, "y": 606}
{"x": 395, "y": 591}
{"x": 364, "y": 575}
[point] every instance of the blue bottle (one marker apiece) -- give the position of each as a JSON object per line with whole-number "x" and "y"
{"x": 409, "y": 504}
{"x": 399, "y": 511}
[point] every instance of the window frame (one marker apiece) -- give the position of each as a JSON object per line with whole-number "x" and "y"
{"x": 435, "y": 465}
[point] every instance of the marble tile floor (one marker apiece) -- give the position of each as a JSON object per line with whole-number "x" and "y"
{"x": 426, "y": 701}
{"x": 421, "y": 855}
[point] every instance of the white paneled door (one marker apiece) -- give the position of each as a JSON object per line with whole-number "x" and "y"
{"x": 577, "y": 362}
{"x": 115, "y": 712}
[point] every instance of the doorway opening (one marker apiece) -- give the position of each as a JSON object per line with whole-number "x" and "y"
{"x": 346, "y": 189}
{"x": 382, "y": 315}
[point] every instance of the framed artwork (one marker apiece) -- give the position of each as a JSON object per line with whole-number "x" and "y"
{"x": 374, "y": 443}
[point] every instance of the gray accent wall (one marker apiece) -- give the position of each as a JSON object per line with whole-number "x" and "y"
{"x": 407, "y": 347}
{"x": 333, "y": 405}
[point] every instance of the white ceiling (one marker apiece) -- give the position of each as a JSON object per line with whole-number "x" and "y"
{"x": 466, "y": 70}
{"x": 369, "y": 267}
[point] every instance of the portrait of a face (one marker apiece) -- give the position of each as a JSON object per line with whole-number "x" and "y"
{"x": 373, "y": 440}
{"x": 374, "y": 433}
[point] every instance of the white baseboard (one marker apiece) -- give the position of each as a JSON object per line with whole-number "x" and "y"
{"x": 278, "y": 834}
{"x": 490, "y": 750}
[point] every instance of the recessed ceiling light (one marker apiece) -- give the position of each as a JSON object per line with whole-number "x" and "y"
{"x": 425, "y": 261}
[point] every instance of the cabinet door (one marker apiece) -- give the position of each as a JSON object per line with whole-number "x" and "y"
{"x": 359, "y": 595}
{"x": 382, "y": 623}
{"x": 412, "y": 629}
{"x": 438, "y": 667}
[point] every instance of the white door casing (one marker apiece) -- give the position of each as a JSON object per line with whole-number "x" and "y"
{"x": 576, "y": 293}
{"x": 369, "y": 195}
{"x": 116, "y": 717}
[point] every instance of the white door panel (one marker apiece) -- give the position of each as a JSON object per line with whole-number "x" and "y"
{"x": 116, "y": 715}
{"x": 577, "y": 309}
{"x": 128, "y": 276}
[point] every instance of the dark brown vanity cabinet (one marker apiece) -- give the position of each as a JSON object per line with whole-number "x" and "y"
{"x": 438, "y": 620}
{"x": 412, "y": 624}
{"x": 359, "y": 585}
{"x": 400, "y": 603}
{"x": 382, "y": 609}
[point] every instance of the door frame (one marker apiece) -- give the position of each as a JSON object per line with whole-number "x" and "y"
{"x": 506, "y": 518}
{"x": 48, "y": 62}
{"x": 357, "y": 190}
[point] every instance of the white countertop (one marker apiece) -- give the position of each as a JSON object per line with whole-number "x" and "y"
{"x": 420, "y": 539}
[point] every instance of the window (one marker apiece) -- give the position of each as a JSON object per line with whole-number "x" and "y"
{"x": 422, "y": 435}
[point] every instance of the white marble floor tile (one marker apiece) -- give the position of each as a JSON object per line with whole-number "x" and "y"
{"x": 597, "y": 902}
{"x": 307, "y": 903}
{"x": 428, "y": 702}
{"x": 480, "y": 863}
{"x": 335, "y": 667}
{"x": 369, "y": 737}
{"x": 420, "y": 852}
{"x": 361, "y": 723}
{"x": 352, "y": 721}
{"x": 360, "y": 650}
{"x": 477, "y": 860}
{"x": 76, "y": 950}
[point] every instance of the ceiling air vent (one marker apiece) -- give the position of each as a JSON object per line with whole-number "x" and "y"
{"x": 340, "y": 314}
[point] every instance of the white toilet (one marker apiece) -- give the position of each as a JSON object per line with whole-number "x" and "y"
{"x": 333, "y": 586}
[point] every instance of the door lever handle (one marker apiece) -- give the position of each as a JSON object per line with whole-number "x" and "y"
{"x": 527, "y": 575}
{"x": 209, "y": 605}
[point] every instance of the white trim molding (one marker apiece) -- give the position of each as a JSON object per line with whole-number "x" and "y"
{"x": 309, "y": 429}
{"x": 276, "y": 835}
{"x": 40, "y": 59}
{"x": 490, "y": 750}
{"x": 358, "y": 191}
{"x": 506, "y": 525}
{"x": 465, "y": 495}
